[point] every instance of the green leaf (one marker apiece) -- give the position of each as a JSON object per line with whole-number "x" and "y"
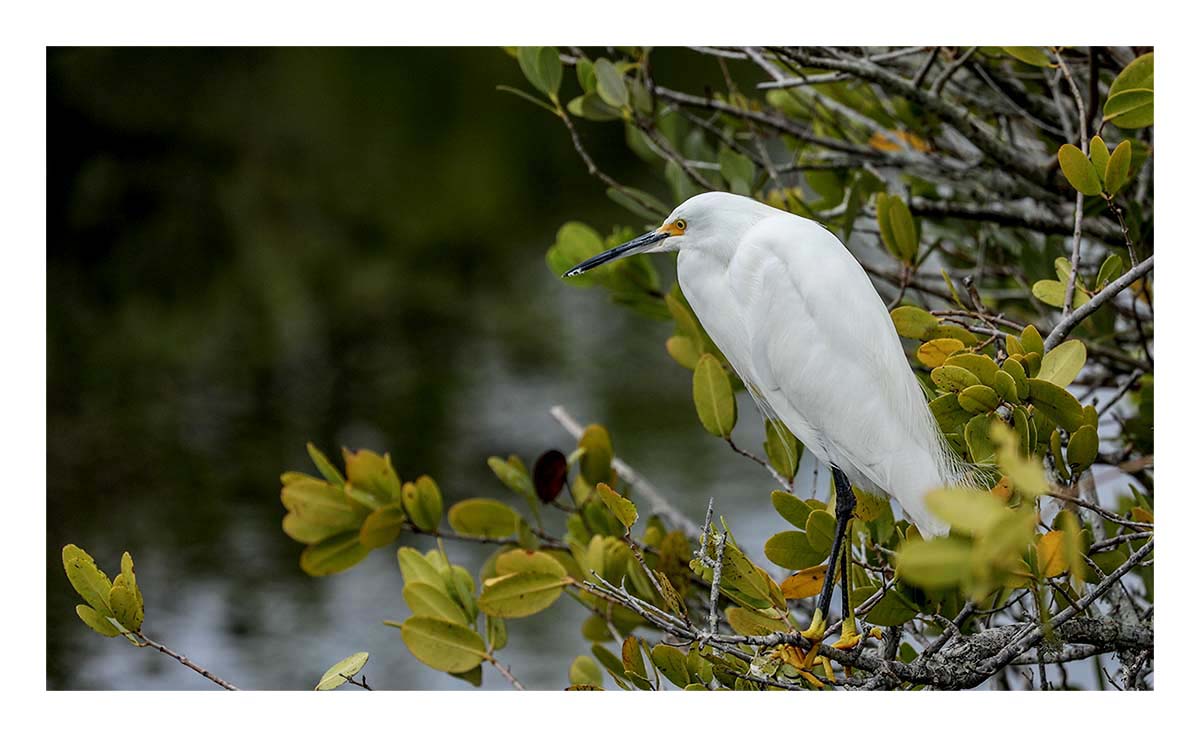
{"x": 953, "y": 378}
{"x": 342, "y": 671}
{"x": 520, "y": 594}
{"x": 93, "y": 619}
{"x": 585, "y": 672}
{"x": 1006, "y": 386}
{"x": 515, "y": 477}
{"x": 978, "y": 399}
{"x": 415, "y": 568}
{"x": 981, "y": 366}
{"x": 892, "y": 610}
{"x": 1016, "y": 372}
{"x": 497, "y": 633}
{"x": 1063, "y": 363}
{"x": 713, "y": 396}
{"x": 373, "y": 474}
{"x": 782, "y": 449}
{"x": 591, "y": 107}
{"x": 610, "y": 662}
{"x": 623, "y": 509}
{"x": 1033, "y": 55}
{"x": 903, "y": 230}
{"x": 883, "y": 203}
{"x": 596, "y": 463}
{"x": 820, "y": 530}
{"x": 1083, "y": 447}
{"x": 1130, "y": 109}
{"x": 1116, "y": 171}
{"x": 323, "y": 504}
{"x": 791, "y": 549}
{"x": 672, "y": 663}
{"x": 128, "y": 577}
{"x": 444, "y": 646}
{"x": 948, "y": 414}
{"x": 423, "y": 503}
{"x": 483, "y": 517}
{"x": 975, "y": 435}
{"x": 684, "y": 350}
{"x": 1055, "y": 293}
{"x": 631, "y": 657}
{"x": 1078, "y": 169}
{"x": 426, "y": 600}
{"x": 913, "y": 322}
{"x": 574, "y": 243}
{"x": 610, "y": 84}
{"x": 1031, "y": 339}
{"x": 1056, "y": 403}
{"x": 88, "y": 580}
{"x": 940, "y": 563}
{"x": 382, "y": 526}
{"x": 542, "y": 68}
{"x": 522, "y": 561}
{"x": 327, "y": 469}
{"x": 1098, "y": 155}
{"x": 126, "y": 604}
{"x": 304, "y": 530}
{"x": 791, "y": 507}
{"x": 752, "y": 623}
{"x": 586, "y": 74}
{"x": 1139, "y": 74}
{"x": 333, "y": 555}
{"x": 1109, "y": 270}
{"x": 966, "y": 510}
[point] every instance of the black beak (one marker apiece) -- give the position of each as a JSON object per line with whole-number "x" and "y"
{"x": 637, "y": 245}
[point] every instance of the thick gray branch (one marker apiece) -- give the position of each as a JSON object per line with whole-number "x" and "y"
{"x": 1068, "y": 323}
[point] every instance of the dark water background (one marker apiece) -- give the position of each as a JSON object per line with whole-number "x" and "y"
{"x": 250, "y": 249}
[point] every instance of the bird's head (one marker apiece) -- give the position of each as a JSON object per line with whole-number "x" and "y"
{"x": 699, "y": 220}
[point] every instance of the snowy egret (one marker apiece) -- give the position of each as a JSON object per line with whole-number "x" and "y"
{"x": 801, "y": 324}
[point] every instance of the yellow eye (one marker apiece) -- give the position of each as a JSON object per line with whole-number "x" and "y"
{"x": 680, "y": 225}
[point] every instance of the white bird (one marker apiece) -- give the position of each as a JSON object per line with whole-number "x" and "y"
{"x": 803, "y": 327}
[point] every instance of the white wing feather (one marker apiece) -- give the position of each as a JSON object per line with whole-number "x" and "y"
{"x": 819, "y": 346}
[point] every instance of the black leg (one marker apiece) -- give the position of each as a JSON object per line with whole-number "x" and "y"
{"x": 847, "y": 612}
{"x": 844, "y": 509}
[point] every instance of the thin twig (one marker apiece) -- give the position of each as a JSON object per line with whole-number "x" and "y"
{"x": 945, "y": 76}
{"x": 508, "y": 676}
{"x": 1069, "y": 297}
{"x": 147, "y": 642}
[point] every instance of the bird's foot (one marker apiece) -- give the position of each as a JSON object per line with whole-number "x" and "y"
{"x": 850, "y": 636}
{"x": 816, "y": 630}
{"x": 814, "y": 634}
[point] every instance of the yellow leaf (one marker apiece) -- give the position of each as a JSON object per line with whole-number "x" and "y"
{"x": 1052, "y": 554}
{"x": 881, "y": 142}
{"x": 1003, "y": 489}
{"x": 935, "y": 352}
{"x": 623, "y": 509}
{"x": 1141, "y": 514}
{"x": 804, "y": 584}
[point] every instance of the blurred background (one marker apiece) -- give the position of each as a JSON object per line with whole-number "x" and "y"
{"x": 253, "y": 248}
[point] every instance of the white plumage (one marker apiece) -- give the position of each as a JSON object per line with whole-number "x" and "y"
{"x": 802, "y": 325}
